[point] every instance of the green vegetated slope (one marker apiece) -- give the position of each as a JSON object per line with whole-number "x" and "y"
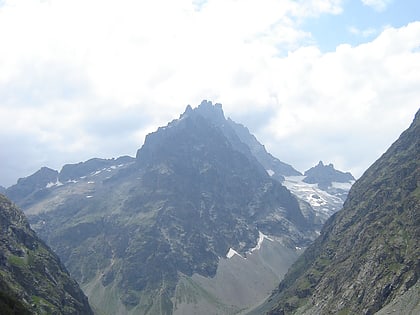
{"x": 367, "y": 256}
{"x": 32, "y": 279}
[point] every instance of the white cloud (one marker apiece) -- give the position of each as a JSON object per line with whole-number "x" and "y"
{"x": 351, "y": 98}
{"x": 369, "y": 32}
{"x": 91, "y": 78}
{"x": 378, "y": 5}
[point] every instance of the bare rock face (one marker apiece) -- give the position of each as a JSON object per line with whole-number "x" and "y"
{"x": 33, "y": 281}
{"x": 367, "y": 256}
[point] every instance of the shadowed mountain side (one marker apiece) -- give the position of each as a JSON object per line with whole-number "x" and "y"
{"x": 367, "y": 256}
{"x": 33, "y": 281}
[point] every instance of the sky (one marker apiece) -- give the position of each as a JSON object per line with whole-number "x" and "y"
{"x": 330, "y": 80}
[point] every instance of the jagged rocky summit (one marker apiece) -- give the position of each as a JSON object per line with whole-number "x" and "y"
{"x": 326, "y": 176}
{"x": 367, "y": 258}
{"x": 32, "y": 278}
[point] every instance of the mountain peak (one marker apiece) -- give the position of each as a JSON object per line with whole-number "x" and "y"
{"x": 209, "y": 111}
{"x": 188, "y": 110}
{"x": 324, "y": 175}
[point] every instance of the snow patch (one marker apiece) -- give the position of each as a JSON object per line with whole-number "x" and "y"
{"x": 261, "y": 237}
{"x": 324, "y": 203}
{"x": 344, "y": 186}
{"x": 52, "y": 184}
{"x": 232, "y": 253}
{"x": 72, "y": 181}
{"x": 89, "y": 196}
{"x": 91, "y": 182}
{"x": 270, "y": 172}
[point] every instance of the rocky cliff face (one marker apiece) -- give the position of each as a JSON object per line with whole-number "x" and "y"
{"x": 33, "y": 281}
{"x": 133, "y": 233}
{"x": 368, "y": 255}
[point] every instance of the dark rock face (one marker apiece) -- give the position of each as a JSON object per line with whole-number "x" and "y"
{"x": 368, "y": 254}
{"x": 325, "y": 175}
{"x": 194, "y": 191}
{"x": 33, "y": 281}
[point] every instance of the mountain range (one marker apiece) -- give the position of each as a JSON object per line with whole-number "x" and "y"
{"x": 200, "y": 208}
{"x": 205, "y": 221}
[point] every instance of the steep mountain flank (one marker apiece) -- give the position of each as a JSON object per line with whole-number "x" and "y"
{"x": 135, "y": 234}
{"x": 32, "y": 279}
{"x": 276, "y": 168}
{"x": 367, "y": 256}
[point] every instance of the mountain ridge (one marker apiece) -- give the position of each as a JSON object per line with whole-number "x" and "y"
{"x": 367, "y": 255}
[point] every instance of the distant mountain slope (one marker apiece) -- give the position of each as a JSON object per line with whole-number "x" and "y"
{"x": 29, "y": 189}
{"x": 276, "y": 168}
{"x": 367, "y": 256}
{"x": 32, "y": 281}
{"x": 74, "y": 171}
{"x": 133, "y": 234}
{"x": 28, "y": 186}
{"x": 323, "y": 187}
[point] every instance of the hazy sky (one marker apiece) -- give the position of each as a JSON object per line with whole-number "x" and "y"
{"x": 314, "y": 80}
